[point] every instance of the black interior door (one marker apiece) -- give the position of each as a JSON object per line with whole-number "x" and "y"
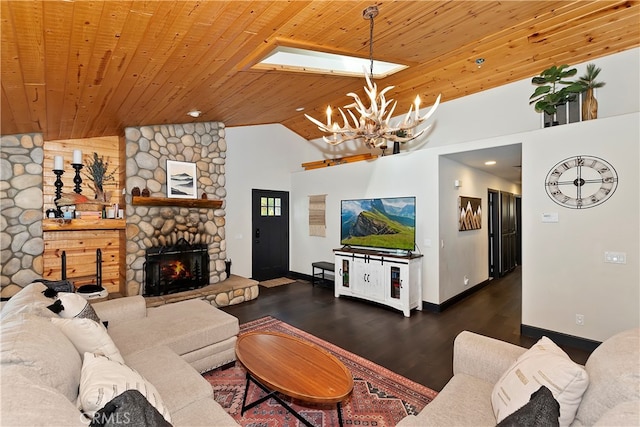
{"x": 270, "y": 228}
{"x": 508, "y": 241}
{"x": 493, "y": 229}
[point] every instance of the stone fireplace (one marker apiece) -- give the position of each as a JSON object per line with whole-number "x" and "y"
{"x": 176, "y": 268}
{"x": 147, "y": 150}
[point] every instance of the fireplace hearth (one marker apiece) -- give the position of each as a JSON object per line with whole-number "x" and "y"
{"x": 179, "y": 267}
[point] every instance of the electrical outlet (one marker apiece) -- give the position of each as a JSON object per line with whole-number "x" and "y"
{"x": 580, "y": 319}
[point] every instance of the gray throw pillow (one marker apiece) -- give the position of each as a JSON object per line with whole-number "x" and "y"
{"x": 541, "y": 411}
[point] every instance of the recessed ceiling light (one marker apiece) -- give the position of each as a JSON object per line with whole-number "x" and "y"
{"x": 490, "y": 162}
{"x": 194, "y": 113}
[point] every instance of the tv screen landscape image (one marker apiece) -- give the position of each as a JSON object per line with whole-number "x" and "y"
{"x": 388, "y": 223}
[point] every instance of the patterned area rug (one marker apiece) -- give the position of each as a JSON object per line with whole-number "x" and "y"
{"x": 380, "y": 398}
{"x": 276, "y": 282}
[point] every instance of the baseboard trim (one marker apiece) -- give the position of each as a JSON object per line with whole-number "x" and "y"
{"x": 559, "y": 338}
{"x": 301, "y": 276}
{"x": 438, "y": 308}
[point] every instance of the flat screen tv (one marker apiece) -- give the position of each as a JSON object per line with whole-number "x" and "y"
{"x": 388, "y": 223}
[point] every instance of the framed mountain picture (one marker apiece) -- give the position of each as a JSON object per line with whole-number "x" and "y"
{"x": 181, "y": 180}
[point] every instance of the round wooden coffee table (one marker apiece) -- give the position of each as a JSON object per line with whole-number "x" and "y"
{"x": 280, "y": 363}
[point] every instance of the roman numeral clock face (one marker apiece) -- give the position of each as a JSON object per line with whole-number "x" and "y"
{"x": 581, "y": 182}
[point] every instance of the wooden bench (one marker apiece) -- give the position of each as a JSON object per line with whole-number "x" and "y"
{"x": 324, "y": 267}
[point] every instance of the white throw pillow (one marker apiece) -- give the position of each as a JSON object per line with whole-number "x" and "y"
{"x": 29, "y": 300}
{"x": 76, "y": 306}
{"x": 543, "y": 364}
{"x": 89, "y": 336}
{"x": 102, "y": 379}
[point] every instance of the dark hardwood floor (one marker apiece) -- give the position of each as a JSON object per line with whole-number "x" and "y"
{"x": 420, "y": 347}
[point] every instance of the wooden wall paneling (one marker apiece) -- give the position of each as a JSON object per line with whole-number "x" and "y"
{"x": 80, "y": 248}
{"x": 81, "y": 245}
{"x": 111, "y": 147}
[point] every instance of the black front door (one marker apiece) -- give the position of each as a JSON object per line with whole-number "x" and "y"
{"x": 270, "y": 227}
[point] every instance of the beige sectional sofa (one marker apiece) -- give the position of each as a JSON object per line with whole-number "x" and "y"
{"x": 611, "y": 377}
{"x": 169, "y": 346}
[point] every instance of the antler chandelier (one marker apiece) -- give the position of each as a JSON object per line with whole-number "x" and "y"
{"x": 373, "y": 126}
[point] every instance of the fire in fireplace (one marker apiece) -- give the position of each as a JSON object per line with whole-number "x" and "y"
{"x": 176, "y": 268}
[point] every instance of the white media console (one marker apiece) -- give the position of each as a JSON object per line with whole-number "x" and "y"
{"x": 394, "y": 280}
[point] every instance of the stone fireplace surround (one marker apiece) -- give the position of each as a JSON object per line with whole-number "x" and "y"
{"x": 147, "y": 150}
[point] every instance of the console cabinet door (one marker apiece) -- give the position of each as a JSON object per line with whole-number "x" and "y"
{"x": 368, "y": 275}
{"x": 342, "y": 283}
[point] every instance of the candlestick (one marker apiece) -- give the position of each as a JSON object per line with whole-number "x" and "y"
{"x": 58, "y": 184}
{"x": 58, "y": 163}
{"x": 77, "y": 157}
{"x": 77, "y": 180}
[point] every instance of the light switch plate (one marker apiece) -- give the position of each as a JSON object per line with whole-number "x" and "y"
{"x": 615, "y": 257}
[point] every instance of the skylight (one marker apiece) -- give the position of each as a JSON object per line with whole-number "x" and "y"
{"x": 309, "y": 61}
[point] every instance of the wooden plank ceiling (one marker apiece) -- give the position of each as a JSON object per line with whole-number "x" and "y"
{"x": 77, "y": 69}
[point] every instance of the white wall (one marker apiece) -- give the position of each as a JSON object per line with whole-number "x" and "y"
{"x": 564, "y": 273}
{"x": 260, "y": 157}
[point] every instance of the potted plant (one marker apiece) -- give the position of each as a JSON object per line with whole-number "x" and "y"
{"x": 589, "y": 83}
{"x": 554, "y": 90}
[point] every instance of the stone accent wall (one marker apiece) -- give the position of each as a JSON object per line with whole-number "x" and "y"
{"x": 21, "y": 202}
{"x": 147, "y": 150}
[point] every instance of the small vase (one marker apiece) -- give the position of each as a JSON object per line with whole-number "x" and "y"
{"x": 396, "y": 147}
{"x": 589, "y": 106}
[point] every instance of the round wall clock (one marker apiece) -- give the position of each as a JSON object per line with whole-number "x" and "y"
{"x": 581, "y": 182}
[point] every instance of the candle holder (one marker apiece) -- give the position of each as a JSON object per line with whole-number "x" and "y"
{"x": 77, "y": 180}
{"x": 58, "y": 184}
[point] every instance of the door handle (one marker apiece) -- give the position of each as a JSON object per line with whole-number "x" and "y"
{"x": 257, "y": 233}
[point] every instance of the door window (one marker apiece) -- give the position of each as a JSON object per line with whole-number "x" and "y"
{"x": 270, "y": 206}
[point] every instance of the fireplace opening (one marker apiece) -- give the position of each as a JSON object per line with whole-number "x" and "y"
{"x": 176, "y": 268}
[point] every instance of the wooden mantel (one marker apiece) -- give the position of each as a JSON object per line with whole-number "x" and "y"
{"x": 165, "y": 201}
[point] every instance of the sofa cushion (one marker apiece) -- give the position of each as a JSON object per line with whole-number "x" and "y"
{"x": 183, "y": 386}
{"x": 464, "y": 401}
{"x": 543, "y": 364}
{"x": 89, "y": 336}
{"x": 103, "y": 379}
{"x": 183, "y": 327}
{"x": 614, "y": 376}
{"x": 203, "y": 413}
{"x": 29, "y": 300}
{"x": 27, "y": 401}
{"x": 624, "y": 414}
{"x": 40, "y": 349}
{"x": 541, "y": 410}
